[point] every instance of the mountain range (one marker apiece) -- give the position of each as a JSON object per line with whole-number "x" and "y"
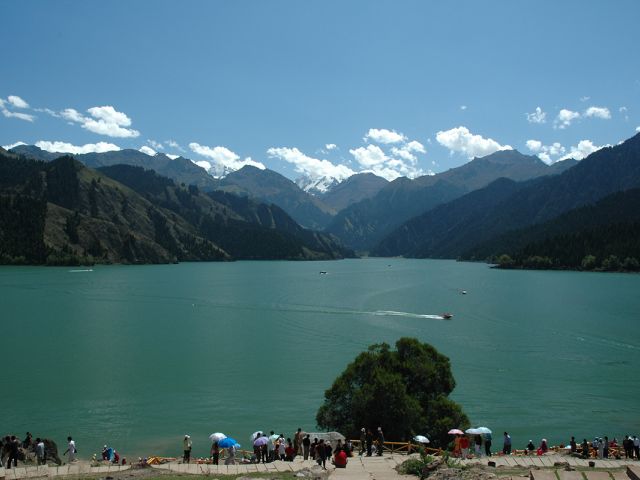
{"x": 62, "y": 212}
{"x": 503, "y": 203}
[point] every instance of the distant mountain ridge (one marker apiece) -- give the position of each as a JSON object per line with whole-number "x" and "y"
{"x": 364, "y": 224}
{"x": 484, "y": 215}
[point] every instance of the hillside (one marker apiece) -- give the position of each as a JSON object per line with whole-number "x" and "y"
{"x": 610, "y": 227}
{"x": 364, "y": 224}
{"x": 354, "y": 189}
{"x": 62, "y": 212}
{"x": 602, "y": 173}
{"x": 271, "y": 187}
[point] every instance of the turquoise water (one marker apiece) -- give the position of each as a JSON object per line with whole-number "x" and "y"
{"x": 137, "y": 356}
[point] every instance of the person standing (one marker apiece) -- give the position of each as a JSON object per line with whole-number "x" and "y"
{"x": 585, "y": 448}
{"x": 487, "y": 444}
{"x": 215, "y": 453}
{"x": 363, "y": 440}
{"x": 313, "y": 449}
{"x": 71, "y": 449}
{"x": 297, "y": 442}
{"x": 40, "y": 455}
{"x": 464, "y": 446}
{"x": 306, "y": 445}
{"x": 186, "y": 447}
{"x": 506, "y": 447}
{"x": 369, "y": 442}
{"x": 636, "y": 447}
{"x": 322, "y": 454}
{"x": 380, "y": 442}
{"x": 281, "y": 447}
{"x": 271, "y": 447}
{"x": 605, "y": 447}
{"x": 477, "y": 440}
{"x": 573, "y": 445}
{"x": 14, "y": 446}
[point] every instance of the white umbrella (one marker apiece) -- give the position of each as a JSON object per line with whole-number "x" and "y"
{"x": 274, "y": 437}
{"x": 216, "y": 437}
{"x": 254, "y": 435}
{"x": 473, "y": 431}
{"x": 421, "y": 439}
{"x": 484, "y": 430}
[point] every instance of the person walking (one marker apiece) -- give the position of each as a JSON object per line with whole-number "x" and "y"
{"x": 506, "y": 447}
{"x": 380, "y": 442}
{"x": 71, "y": 449}
{"x": 186, "y": 447}
{"x": 636, "y": 447}
{"x": 306, "y": 445}
{"x": 363, "y": 440}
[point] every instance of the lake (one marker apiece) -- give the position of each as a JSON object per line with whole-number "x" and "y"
{"x": 138, "y": 356}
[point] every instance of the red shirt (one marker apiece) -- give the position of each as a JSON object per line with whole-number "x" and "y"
{"x": 340, "y": 458}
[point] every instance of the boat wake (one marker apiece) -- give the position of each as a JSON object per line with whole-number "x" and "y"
{"x": 391, "y": 313}
{"x": 81, "y": 270}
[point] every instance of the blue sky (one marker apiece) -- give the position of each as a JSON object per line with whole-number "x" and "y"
{"x": 398, "y": 87}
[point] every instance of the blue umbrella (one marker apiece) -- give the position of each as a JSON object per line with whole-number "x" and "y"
{"x": 228, "y": 442}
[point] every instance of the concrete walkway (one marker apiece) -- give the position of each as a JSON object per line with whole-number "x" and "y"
{"x": 369, "y": 468}
{"x": 61, "y": 471}
{"x": 548, "y": 460}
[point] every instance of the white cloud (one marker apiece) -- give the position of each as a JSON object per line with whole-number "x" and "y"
{"x": 598, "y": 112}
{"x": 564, "y": 118}
{"x": 17, "y": 102}
{"x": 546, "y": 152}
{"x": 313, "y": 168}
{"x": 463, "y": 107}
{"x": 47, "y": 111}
{"x": 9, "y": 114}
{"x": 373, "y": 159}
{"x": 63, "y": 147}
{"x": 202, "y": 163}
{"x": 174, "y": 144}
{"x": 585, "y": 99}
{"x": 13, "y": 145}
{"x": 148, "y": 150}
{"x": 155, "y": 145}
{"x": 173, "y": 157}
{"x": 72, "y": 115}
{"x": 104, "y": 120}
{"x": 383, "y": 135}
{"x": 537, "y": 117}
{"x": 330, "y": 146}
{"x": 637, "y": 129}
{"x": 224, "y": 160}
{"x": 461, "y": 140}
{"x": 583, "y": 149}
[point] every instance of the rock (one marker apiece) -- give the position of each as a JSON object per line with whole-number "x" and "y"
{"x": 315, "y": 472}
{"x": 561, "y": 464}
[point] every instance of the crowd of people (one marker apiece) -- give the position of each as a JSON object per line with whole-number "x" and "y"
{"x": 600, "y": 447}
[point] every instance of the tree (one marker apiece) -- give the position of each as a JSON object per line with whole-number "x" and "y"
{"x": 405, "y": 391}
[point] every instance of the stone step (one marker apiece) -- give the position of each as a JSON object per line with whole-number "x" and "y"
{"x": 633, "y": 472}
{"x": 542, "y": 475}
{"x": 573, "y": 475}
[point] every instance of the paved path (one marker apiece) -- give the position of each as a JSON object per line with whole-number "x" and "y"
{"x": 548, "y": 461}
{"x": 365, "y": 468}
{"x": 61, "y": 471}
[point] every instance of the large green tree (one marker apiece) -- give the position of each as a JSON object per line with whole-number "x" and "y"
{"x": 405, "y": 391}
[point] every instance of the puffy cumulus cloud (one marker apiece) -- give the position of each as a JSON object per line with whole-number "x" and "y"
{"x": 104, "y": 120}
{"x": 546, "y": 152}
{"x": 224, "y": 160}
{"x": 537, "y": 116}
{"x": 155, "y": 145}
{"x": 63, "y": 147}
{"x": 148, "y": 150}
{"x": 598, "y": 112}
{"x": 583, "y": 149}
{"x": 638, "y": 129}
{"x": 202, "y": 163}
{"x": 564, "y": 118}
{"x": 17, "y": 102}
{"x": 174, "y": 144}
{"x": 330, "y": 146}
{"x": 382, "y": 135}
{"x": 13, "y": 145}
{"x": 373, "y": 159}
{"x": 313, "y": 168}
{"x": 408, "y": 150}
{"x": 461, "y": 140}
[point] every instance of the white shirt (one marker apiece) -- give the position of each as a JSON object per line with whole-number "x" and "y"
{"x": 72, "y": 446}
